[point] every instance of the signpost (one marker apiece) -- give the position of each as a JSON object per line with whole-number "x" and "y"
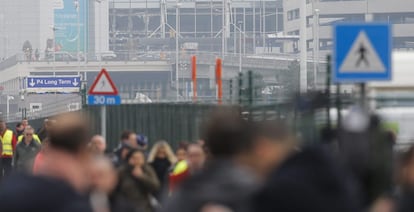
{"x": 362, "y": 53}
{"x": 53, "y": 83}
{"x": 103, "y": 92}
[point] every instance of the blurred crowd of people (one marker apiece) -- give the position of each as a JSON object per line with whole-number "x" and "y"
{"x": 238, "y": 165}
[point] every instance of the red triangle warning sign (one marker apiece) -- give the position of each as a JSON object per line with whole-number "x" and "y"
{"x": 103, "y": 85}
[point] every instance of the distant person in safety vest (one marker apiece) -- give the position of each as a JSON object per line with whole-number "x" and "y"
{"x": 34, "y": 136}
{"x": 8, "y": 146}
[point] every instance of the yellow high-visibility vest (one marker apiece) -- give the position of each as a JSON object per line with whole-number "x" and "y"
{"x": 35, "y": 137}
{"x": 180, "y": 168}
{"x": 7, "y": 143}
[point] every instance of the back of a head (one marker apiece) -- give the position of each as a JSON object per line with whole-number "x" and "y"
{"x": 226, "y": 133}
{"x": 125, "y": 135}
{"x": 70, "y": 133}
{"x": 275, "y": 130}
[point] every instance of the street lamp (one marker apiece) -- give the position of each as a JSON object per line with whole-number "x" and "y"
{"x": 8, "y": 105}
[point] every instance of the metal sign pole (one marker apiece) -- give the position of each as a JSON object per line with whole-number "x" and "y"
{"x": 363, "y": 95}
{"x": 328, "y": 91}
{"x": 338, "y": 106}
{"x": 103, "y": 121}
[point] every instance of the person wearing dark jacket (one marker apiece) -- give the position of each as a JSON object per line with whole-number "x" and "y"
{"x": 26, "y": 152}
{"x": 103, "y": 182}
{"x": 127, "y": 143}
{"x": 61, "y": 184}
{"x": 43, "y": 132}
{"x": 307, "y": 181}
{"x": 241, "y": 155}
{"x": 161, "y": 158}
{"x": 56, "y": 195}
{"x": 19, "y": 129}
{"x": 405, "y": 189}
{"x": 137, "y": 182}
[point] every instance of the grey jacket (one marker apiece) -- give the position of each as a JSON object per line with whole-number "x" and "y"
{"x": 24, "y": 155}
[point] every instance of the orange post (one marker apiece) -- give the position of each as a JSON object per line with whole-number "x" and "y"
{"x": 194, "y": 76}
{"x": 219, "y": 81}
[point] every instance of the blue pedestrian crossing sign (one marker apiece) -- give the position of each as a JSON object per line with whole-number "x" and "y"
{"x": 362, "y": 53}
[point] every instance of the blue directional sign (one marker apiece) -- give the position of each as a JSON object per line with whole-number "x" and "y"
{"x": 53, "y": 82}
{"x": 104, "y": 100}
{"x": 362, "y": 53}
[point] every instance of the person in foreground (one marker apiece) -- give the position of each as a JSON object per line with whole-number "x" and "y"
{"x": 61, "y": 183}
{"x": 241, "y": 155}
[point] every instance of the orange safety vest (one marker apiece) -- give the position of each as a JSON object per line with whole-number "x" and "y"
{"x": 7, "y": 143}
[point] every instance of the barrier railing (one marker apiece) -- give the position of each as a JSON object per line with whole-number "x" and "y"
{"x": 203, "y": 58}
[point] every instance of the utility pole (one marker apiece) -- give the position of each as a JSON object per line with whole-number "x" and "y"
{"x": 264, "y": 24}
{"x": 303, "y": 81}
{"x": 240, "y": 47}
{"x": 77, "y": 7}
{"x": 315, "y": 46}
{"x": 177, "y": 49}
{"x": 224, "y": 30}
{"x": 254, "y": 27}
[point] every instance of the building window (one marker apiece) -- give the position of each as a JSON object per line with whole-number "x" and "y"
{"x": 293, "y": 14}
{"x": 296, "y": 32}
{"x": 397, "y": 18}
{"x": 289, "y": 15}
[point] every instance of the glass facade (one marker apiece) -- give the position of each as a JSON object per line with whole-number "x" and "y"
{"x": 151, "y": 25}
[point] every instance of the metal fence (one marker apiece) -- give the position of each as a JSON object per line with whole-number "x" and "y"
{"x": 37, "y": 106}
{"x": 163, "y": 121}
{"x": 183, "y": 121}
{"x": 204, "y": 57}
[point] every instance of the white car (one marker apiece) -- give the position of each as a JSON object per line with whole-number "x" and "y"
{"x": 109, "y": 55}
{"x": 142, "y": 98}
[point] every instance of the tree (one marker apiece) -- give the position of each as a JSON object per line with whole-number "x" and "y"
{"x": 292, "y": 77}
{"x": 27, "y": 46}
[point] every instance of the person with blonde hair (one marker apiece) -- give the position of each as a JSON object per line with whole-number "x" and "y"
{"x": 161, "y": 158}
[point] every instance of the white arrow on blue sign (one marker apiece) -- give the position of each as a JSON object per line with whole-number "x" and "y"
{"x": 53, "y": 82}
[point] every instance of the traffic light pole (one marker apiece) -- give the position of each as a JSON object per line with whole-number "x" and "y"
{"x": 328, "y": 91}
